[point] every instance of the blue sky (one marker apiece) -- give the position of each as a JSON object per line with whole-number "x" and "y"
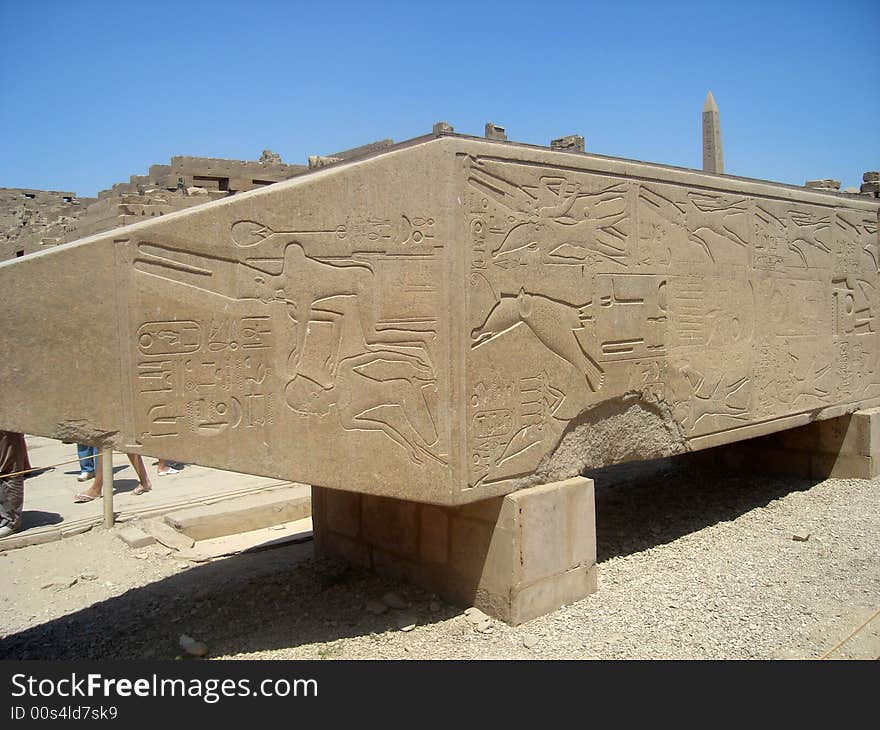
{"x": 92, "y": 92}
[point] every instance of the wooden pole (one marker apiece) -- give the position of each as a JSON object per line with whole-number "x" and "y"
{"x": 107, "y": 487}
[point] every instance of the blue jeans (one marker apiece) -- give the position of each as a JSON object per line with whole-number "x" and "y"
{"x": 86, "y": 455}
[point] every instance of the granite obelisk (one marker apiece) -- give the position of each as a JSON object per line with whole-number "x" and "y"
{"x": 713, "y": 160}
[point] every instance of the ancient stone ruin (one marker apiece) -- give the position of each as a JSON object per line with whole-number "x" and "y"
{"x": 441, "y": 335}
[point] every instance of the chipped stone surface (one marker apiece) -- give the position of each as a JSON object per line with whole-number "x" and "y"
{"x": 135, "y": 537}
{"x": 460, "y": 316}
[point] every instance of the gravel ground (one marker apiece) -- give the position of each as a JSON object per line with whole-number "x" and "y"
{"x": 693, "y": 564}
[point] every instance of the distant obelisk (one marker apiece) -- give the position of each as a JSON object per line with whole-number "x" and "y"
{"x": 713, "y": 160}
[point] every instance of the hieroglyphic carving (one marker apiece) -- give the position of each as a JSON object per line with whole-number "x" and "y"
{"x": 348, "y": 354}
{"x": 722, "y": 305}
{"x": 190, "y": 378}
{"x": 511, "y": 423}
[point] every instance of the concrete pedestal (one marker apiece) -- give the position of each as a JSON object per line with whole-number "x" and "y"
{"x": 843, "y": 447}
{"x": 514, "y": 557}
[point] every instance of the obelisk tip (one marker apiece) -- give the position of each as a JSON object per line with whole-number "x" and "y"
{"x": 710, "y": 105}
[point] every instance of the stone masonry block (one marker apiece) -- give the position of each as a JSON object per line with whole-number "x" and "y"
{"x": 134, "y": 537}
{"x": 580, "y": 511}
{"x": 391, "y": 524}
{"x": 433, "y": 534}
{"x": 542, "y": 534}
{"x": 399, "y": 568}
{"x": 343, "y": 510}
{"x": 331, "y": 543}
{"x": 410, "y": 346}
{"x": 536, "y": 599}
{"x": 538, "y": 554}
{"x": 844, "y": 466}
{"x": 485, "y": 510}
{"x": 469, "y": 545}
{"x": 850, "y": 434}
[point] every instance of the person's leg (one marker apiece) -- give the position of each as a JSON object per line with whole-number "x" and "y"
{"x": 164, "y": 467}
{"x": 137, "y": 461}
{"x": 95, "y": 490}
{"x": 11, "y": 503}
{"x": 86, "y": 456}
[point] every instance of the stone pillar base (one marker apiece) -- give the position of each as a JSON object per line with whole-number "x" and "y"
{"x": 514, "y": 557}
{"x": 847, "y": 447}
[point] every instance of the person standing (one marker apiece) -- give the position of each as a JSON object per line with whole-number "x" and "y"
{"x": 86, "y": 455}
{"x": 95, "y": 491}
{"x": 13, "y": 459}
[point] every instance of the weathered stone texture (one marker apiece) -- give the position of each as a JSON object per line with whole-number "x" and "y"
{"x": 451, "y": 319}
{"x": 493, "y": 131}
{"x": 31, "y": 220}
{"x": 825, "y": 184}
{"x": 515, "y": 557}
{"x": 846, "y": 447}
{"x": 571, "y": 143}
{"x": 713, "y": 156}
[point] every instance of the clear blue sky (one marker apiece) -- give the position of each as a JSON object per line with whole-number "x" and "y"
{"x": 94, "y": 91}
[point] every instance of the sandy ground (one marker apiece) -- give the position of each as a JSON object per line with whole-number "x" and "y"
{"x": 692, "y": 564}
{"x": 49, "y": 494}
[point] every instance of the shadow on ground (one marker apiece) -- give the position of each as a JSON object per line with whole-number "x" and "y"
{"x": 283, "y": 597}
{"x": 116, "y": 469}
{"x": 270, "y": 599}
{"x": 37, "y": 518}
{"x": 644, "y": 504}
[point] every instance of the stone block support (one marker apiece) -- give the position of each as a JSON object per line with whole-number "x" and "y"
{"x": 843, "y": 447}
{"x": 514, "y": 557}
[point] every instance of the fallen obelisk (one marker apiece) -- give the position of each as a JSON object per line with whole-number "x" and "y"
{"x": 442, "y": 335}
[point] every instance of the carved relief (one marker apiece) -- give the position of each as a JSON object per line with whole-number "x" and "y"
{"x": 189, "y": 380}
{"x": 345, "y": 352}
{"x": 727, "y": 308}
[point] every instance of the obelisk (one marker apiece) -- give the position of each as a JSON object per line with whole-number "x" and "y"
{"x": 713, "y": 161}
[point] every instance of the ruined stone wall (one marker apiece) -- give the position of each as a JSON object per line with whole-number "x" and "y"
{"x": 210, "y": 173}
{"x": 31, "y": 220}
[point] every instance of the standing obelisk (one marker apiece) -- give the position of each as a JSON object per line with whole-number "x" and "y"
{"x": 713, "y": 161}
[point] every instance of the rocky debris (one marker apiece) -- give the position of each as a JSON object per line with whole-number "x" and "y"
{"x": 60, "y": 584}
{"x": 482, "y": 623}
{"x": 134, "y": 537}
{"x": 486, "y": 626}
{"x": 723, "y": 557}
{"x": 167, "y": 535}
{"x": 270, "y": 158}
{"x": 316, "y": 161}
{"x": 405, "y": 622}
{"x": 473, "y": 614}
{"x": 88, "y": 575}
{"x": 851, "y": 190}
{"x": 801, "y": 536}
{"x": 193, "y": 647}
{"x": 825, "y": 184}
{"x": 395, "y": 601}
{"x": 530, "y": 641}
{"x": 570, "y": 143}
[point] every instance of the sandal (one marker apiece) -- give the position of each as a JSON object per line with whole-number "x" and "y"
{"x": 83, "y": 497}
{"x": 141, "y": 489}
